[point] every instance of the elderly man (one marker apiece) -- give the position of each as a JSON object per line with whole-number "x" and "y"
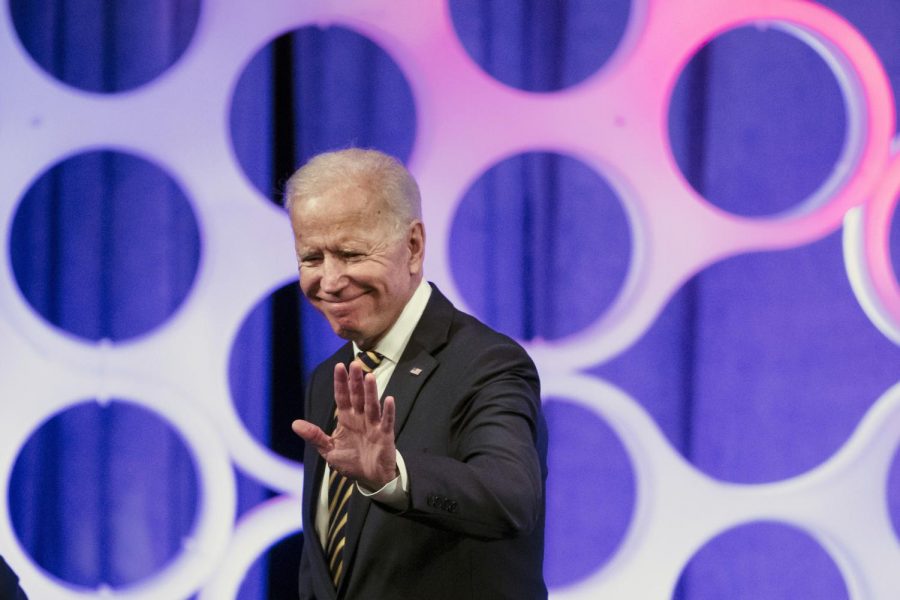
{"x": 437, "y": 490}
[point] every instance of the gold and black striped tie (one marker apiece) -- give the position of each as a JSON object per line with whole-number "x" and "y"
{"x": 369, "y": 359}
{"x": 340, "y": 489}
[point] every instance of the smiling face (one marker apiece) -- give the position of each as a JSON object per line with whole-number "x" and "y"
{"x": 356, "y": 266}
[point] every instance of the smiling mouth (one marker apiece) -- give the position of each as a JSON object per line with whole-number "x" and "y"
{"x": 339, "y": 302}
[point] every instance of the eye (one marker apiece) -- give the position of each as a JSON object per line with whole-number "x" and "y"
{"x": 351, "y": 255}
{"x": 310, "y": 259}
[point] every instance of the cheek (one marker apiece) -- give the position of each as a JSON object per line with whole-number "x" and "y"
{"x": 308, "y": 282}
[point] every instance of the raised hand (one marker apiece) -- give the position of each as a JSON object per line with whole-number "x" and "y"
{"x": 362, "y": 444}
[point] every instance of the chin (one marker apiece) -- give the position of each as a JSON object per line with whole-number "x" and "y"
{"x": 352, "y": 329}
{"x": 345, "y": 331}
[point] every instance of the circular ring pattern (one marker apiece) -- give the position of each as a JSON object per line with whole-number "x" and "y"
{"x": 501, "y": 247}
{"x": 120, "y": 220}
{"x": 215, "y": 515}
{"x": 613, "y": 121}
{"x": 867, "y": 254}
{"x": 780, "y": 105}
{"x": 84, "y": 61}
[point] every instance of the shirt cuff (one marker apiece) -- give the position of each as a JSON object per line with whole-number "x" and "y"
{"x": 395, "y": 493}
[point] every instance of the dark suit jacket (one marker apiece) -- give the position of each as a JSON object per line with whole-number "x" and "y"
{"x": 472, "y": 436}
{"x": 9, "y": 583}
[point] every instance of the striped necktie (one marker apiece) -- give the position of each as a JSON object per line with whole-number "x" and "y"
{"x": 340, "y": 489}
{"x": 369, "y": 359}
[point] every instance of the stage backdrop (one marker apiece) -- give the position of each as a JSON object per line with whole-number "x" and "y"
{"x": 685, "y": 209}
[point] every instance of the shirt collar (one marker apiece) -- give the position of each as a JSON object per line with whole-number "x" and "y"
{"x": 392, "y": 345}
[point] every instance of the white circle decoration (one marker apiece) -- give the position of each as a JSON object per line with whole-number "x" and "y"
{"x": 614, "y": 122}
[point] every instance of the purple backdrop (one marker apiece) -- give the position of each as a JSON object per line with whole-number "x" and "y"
{"x": 758, "y": 369}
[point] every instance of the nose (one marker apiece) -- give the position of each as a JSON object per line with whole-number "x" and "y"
{"x": 333, "y": 279}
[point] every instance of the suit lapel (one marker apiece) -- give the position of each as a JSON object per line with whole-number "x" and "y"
{"x": 321, "y": 414}
{"x": 406, "y": 382}
{"x": 317, "y": 560}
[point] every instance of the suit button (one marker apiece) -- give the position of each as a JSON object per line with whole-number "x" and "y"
{"x": 453, "y": 507}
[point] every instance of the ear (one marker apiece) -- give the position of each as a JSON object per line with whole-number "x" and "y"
{"x": 415, "y": 243}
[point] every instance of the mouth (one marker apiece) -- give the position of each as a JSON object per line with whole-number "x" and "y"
{"x": 336, "y": 304}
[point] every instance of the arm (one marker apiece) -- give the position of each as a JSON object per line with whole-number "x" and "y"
{"x": 490, "y": 481}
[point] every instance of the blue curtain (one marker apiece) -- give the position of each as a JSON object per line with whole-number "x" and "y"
{"x": 105, "y": 247}
{"x": 758, "y": 369}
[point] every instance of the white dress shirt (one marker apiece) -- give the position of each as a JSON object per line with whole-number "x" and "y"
{"x": 395, "y": 492}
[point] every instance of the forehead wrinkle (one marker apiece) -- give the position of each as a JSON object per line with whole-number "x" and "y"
{"x": 341, "y": 217}
{"x": 339, "y": 239}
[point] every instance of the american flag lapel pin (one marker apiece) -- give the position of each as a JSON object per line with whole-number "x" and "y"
{"x": 415, "y": 370}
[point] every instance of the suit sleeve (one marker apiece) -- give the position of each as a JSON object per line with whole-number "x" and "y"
{"x": 305, "y": 575}
{"x": 490, "y": 483}
{"x": 306, "y": 580}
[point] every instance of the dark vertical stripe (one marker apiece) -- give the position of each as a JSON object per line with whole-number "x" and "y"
{"x": 53, "y": 294}
{"x": 491, "y": 268}
{"x": 48, "y": 525}
{"x": 550, "y": 205}
{"x": 695, "y": 171}
{"x": 558, "y": 47}
{"x": 50, "y": 522}
{"x": 486, "y": 16}
{"x": 109, "y": 31}
{"x": 286, "y": 366}
{"x": 697, "y": 118}
{"x": 58, "y": 41}
{"x": 530, "y": 234}
{"x": 530, "y": 54}
{"x": 172, "y": 14}
{"x": 286, "y": 372}
{"x": 106, "y": 536}
{"x": 110, "y": 168}
{"x": 696, "y": 151}
{"x": 104, "y": 327}
{"x": 310, "y": 83}
{"x": 284, "y": 158}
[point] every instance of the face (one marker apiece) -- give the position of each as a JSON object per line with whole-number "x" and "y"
{"x": 355, "y": 267}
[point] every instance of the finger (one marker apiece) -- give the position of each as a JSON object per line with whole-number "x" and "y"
{"x": 373, "y": 411}
{"x": 357, "y": 388}
{"x": 312, "y": 434}
{"x": 388, "y": 415}
{"x": 341, "y": 387}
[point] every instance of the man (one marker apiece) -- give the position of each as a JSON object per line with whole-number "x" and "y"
{"x": 9, "y": 583}
{"x": 437, "y": 491}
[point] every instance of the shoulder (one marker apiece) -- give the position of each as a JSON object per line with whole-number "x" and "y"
{"x": 466, "y": 329}
{"x": 473, "y": 343}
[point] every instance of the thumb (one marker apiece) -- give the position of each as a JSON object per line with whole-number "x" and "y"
{"x": 312, "y": 434}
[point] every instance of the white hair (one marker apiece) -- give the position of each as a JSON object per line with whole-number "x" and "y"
{"x": 382, "y": 175}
